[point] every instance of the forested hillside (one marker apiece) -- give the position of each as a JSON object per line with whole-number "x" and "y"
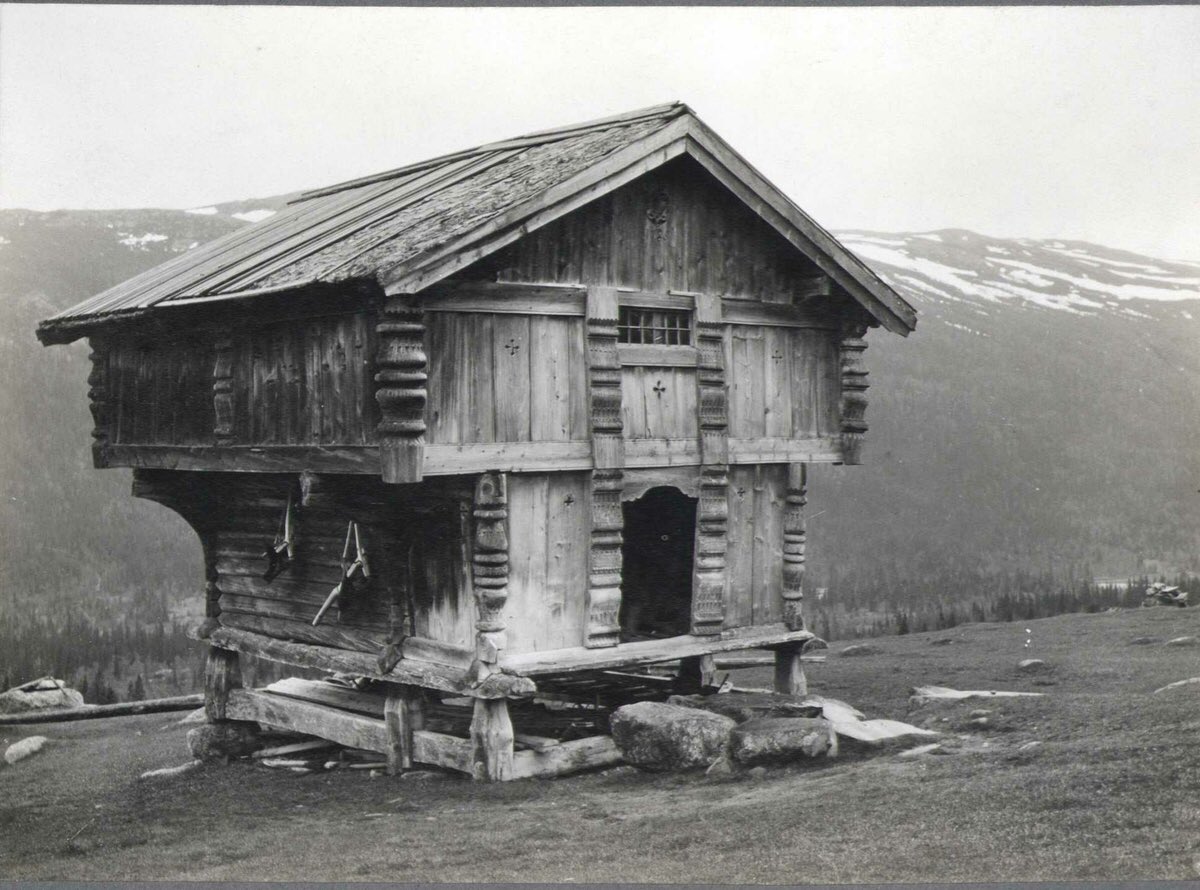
{"x": 1041, "y": 424}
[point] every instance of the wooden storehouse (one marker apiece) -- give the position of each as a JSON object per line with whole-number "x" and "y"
{"x": 507, "y": 425}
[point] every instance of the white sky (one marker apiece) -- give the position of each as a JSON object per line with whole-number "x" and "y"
{"x": 1039, "y": 122}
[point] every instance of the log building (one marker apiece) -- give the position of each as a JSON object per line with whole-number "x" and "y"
{"x": 493, "y": 430}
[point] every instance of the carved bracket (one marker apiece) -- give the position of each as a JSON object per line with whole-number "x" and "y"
{"x": 401, "y": 392}
{"x": 98, "y": 400}
{"x": 794, "y": 538}
{"x": 490, "y": 565}
{"x": 854, "y": 391}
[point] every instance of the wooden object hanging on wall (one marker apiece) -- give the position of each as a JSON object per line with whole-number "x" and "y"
{"x": 401, "y": 392}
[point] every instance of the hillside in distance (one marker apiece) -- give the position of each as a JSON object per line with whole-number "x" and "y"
{"x": 1043, "y": 416}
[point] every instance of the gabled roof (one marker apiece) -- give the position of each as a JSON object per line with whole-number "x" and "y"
{"x": 410, "y": 227}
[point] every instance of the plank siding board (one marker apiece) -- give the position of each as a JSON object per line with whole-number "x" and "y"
{"x": 510, "y": 350}
{"x": 770, "y": 488}
{"x": 549, "y": 380}
{"x": 716, "y": 244}
{"x": 739, "y": 555}
{"x": 777, "y": 376}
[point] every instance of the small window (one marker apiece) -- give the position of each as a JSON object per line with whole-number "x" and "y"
{"x": 654, "y": 327}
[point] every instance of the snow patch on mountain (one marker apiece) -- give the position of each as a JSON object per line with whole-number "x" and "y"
{"x": 202, "y": 211}
{"x": 140, "y": 241}
{"x": 956, "y": 265}
{"x": 253, "y": 216}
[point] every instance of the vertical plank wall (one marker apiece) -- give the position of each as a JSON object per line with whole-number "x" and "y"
{"x": 782, "y": 382}
{"x": 754, "y": 559}
{"x": 549, "y": 522}
{"x": 161, "y": 392}
{"x": 497, "y": 377}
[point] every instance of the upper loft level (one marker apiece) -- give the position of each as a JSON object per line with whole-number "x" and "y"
{"x": 497, "y": 309}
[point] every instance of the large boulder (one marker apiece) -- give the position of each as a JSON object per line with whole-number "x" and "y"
{"x": 219, "y": 741}
{"x": 743, "y": 706}
{"x": 658, "y": 736}
{"x": 782, "y": 739}
{"x": 36, "y": 695}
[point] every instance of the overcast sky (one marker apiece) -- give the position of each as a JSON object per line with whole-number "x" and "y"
{"x": 1038, "y": 122}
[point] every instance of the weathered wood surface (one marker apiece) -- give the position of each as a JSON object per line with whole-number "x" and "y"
{"x": 789, "y": 671}
{"x": 492, "y": 741}
{"x": 400, "y": 392}
{"x": 490, "y": 565}
{"x": 549, "y": 524}
{"x": 159, "y": 392}
{"x": 566, "y": 757}
{"x": 222, "y": 675}
{"x": 503, "y": 377}
{"x": 672, "y": 229}
{"x": 402, "y": 715}
{"x": 98, "y": 712}
{"x": 566, "y": 661}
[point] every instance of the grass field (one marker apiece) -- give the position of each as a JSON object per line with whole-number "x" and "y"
{"x": 1111, "y": 792}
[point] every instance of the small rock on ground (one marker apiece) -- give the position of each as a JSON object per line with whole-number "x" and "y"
{"x": 942, "y": 641}
{"x": 658, "y": 736}
{"x": 1183, "y": 641}
{"x": 743, "y": 706}
{"x": 859, "y": 649}
{"x": 1032, "y": 666}
{"x": 758, "y": 773}
{"x": 27, "y": 747}
{"x": 169, "y": 771}
{"x": 720, "y": 768}
{"x": 1144, "y": 641}
{"x": 782, "y": 739}
{"x": 216, "y": 741}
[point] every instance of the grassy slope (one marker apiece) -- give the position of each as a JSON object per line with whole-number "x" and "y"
{"x": 1109, "y": 794}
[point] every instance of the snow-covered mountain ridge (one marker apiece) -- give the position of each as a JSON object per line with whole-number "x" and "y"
{"x": 932, "y": 269}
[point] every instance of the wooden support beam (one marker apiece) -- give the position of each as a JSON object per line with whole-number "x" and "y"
{"x": 566, "y": 661}
{"x": 566, "y": 757}
{"x": 222, "y": 675}
{"x": 492, "y": 741}
{"x": 602, "y": 627}
{"x": 789, "y": 671}
{"x": 402, "y": 715}
{"x": 794, "y": 540}
{"x": 695, "y": 673}
{"x": 401, "y": 392}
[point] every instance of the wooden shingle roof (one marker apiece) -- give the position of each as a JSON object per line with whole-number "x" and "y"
{"x": 410, "y": 227}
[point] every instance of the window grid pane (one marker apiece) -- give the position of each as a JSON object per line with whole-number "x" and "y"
{"x": 654, "y": 327}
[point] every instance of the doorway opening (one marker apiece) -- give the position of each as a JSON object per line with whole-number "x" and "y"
{"x": 657, "y": 559}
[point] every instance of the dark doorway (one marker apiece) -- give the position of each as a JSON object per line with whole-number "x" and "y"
{"x": 656, "y": 572}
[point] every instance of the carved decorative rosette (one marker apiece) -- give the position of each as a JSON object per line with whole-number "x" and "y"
{"x": 604, "y": 562}
{"x": 854, "y": 391}
{"x": 401, "y": 391}
{"x": 98, "y": 399}
{"x": 712, "y": 526}
{"x": 794, "y": 540}
{"x": 222, "y": 388}
{"x": 490, "y": 565}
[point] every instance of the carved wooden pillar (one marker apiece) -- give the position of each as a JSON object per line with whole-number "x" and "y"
{"x": 608, "y": 455}
{"x": 222, "y": 388}
{"x": 794, "y": 538}
{"x": 712, "y": 519}
{"x": 490, "y": 565}
{"x": 98, "y": 400}
{"x": 401, "y": 392}
{"x": 854, "y": 391}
